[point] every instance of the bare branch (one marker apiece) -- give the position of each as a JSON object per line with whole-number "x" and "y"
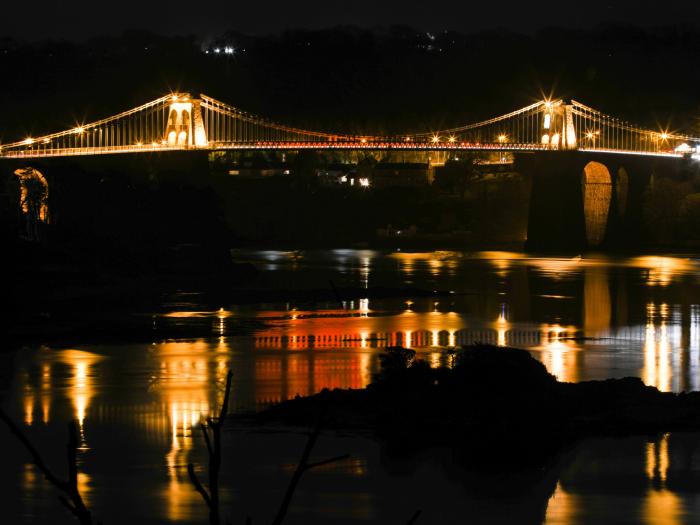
{"x": 326, "y": 461}
{"x": 203, "y": 427}
{"x": 72, "y": 499}
{"x": 211, "y": 430}
{"x": 198, "y": 485}
{"x": 302, "y": 467}
{"x": 227, "y": 394}
{"x": 38, "y": 461}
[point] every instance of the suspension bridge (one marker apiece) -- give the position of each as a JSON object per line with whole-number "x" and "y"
{"x": 178, "y": 122}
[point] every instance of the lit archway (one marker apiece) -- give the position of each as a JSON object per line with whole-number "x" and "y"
{"x": 597, "y": 193}
{"x": 33, "y": 200}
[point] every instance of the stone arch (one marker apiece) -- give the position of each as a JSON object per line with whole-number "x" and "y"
{"x": 33, "y": 200}
{"x": 177, "y": 132}
{"x": 622, "y": 190}
{"x": 597, "y": 193}
{"x": 183, "y": 136}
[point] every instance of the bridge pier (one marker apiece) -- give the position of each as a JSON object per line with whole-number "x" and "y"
{"x": 587, "y": 201}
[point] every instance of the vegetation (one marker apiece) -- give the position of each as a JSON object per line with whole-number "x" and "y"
{"x": 498, "y": 408}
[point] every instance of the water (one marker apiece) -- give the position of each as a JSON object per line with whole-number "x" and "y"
{"x": 585, "y": 318}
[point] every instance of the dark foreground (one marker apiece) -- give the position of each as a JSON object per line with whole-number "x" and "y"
{"x": 498, "y": 409}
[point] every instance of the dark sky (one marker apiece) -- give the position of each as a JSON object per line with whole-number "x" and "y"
{"x": 78, "y": 19}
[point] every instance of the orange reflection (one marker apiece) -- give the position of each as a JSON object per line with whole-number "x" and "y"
{"x": 433, "y": 261}
{"x": 190, "y": 389}
{"x": 502, "y": 261}
{"x": 663, "y": 270}
{"x": 559, "y": 353}
{"x": 658, "y": 353}
{"x": 661, "y": 506}
{"x": 81, "y": 387}
{"x": 596, "y": 301}
{"x": 563, "y": 507}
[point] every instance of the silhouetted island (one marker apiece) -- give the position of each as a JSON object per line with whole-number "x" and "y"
{"x": 497, "y": 408}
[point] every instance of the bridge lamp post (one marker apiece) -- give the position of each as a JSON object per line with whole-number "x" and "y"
{"x": 435, "y": 139}
{"x": 592, "y": 136}
{"x": 502, "y": 139}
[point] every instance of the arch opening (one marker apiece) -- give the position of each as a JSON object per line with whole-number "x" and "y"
{"x": 597, "y": 194}
{"x": 33, "y": 200}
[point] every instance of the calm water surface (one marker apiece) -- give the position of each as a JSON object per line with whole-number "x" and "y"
{"x": 586, "y": 317}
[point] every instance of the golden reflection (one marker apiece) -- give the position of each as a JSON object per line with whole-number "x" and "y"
{"x": 658, "y": 353}
{"x": 45, "y": 392}
{"x": 190, "y": 389}
{"x": 694, "y": 344}
{"x": 81, "y": 386}
{"x": 502, "y": 261}
{"x": 663, "y": 270}
{"x": 556, "y": 269}
{"x": 28, "y": 409}
{"x": 559, "y": 353}
{"x": 661, "y": 506}
{"x": 596, "y": 301}
{"x": 563, "y": 507}
{"x": 502, "y": 327}
{"x": 433, "y": 261}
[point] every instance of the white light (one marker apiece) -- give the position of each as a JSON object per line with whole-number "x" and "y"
{"x": 684, "y": 148}
{"x": 217, "y": 50}
{"x": 547, "y": 120}
{"x": 364, "y": 182}
{"x": 229, "y": 50}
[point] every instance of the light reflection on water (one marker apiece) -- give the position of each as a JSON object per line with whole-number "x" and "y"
{"x": 584, "y": 318}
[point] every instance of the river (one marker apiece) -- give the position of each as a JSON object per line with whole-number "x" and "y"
{"x": 589, "y": 317}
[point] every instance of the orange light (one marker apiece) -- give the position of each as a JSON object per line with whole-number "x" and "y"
{"x": 452, "y": 139}
{"x": 436, "y": 138}
{"x": 502, "y": 138}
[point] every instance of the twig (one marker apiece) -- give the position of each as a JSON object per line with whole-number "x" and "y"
{"x": 197, "y": 484}
{"x": 414, "y": 518}
{"x": 71, "y": 497}
{"x": 213, "y": 443}
{"x": 302, "y": 467}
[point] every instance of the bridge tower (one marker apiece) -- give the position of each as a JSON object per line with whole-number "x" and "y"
{"x": 185, "y": 125}
{"x": 558, "y": 129}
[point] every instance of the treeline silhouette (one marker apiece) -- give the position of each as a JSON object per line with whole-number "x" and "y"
{"x": 353, "y": 80}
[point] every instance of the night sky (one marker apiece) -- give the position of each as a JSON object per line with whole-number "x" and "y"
{"x": 80, "y": 19}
